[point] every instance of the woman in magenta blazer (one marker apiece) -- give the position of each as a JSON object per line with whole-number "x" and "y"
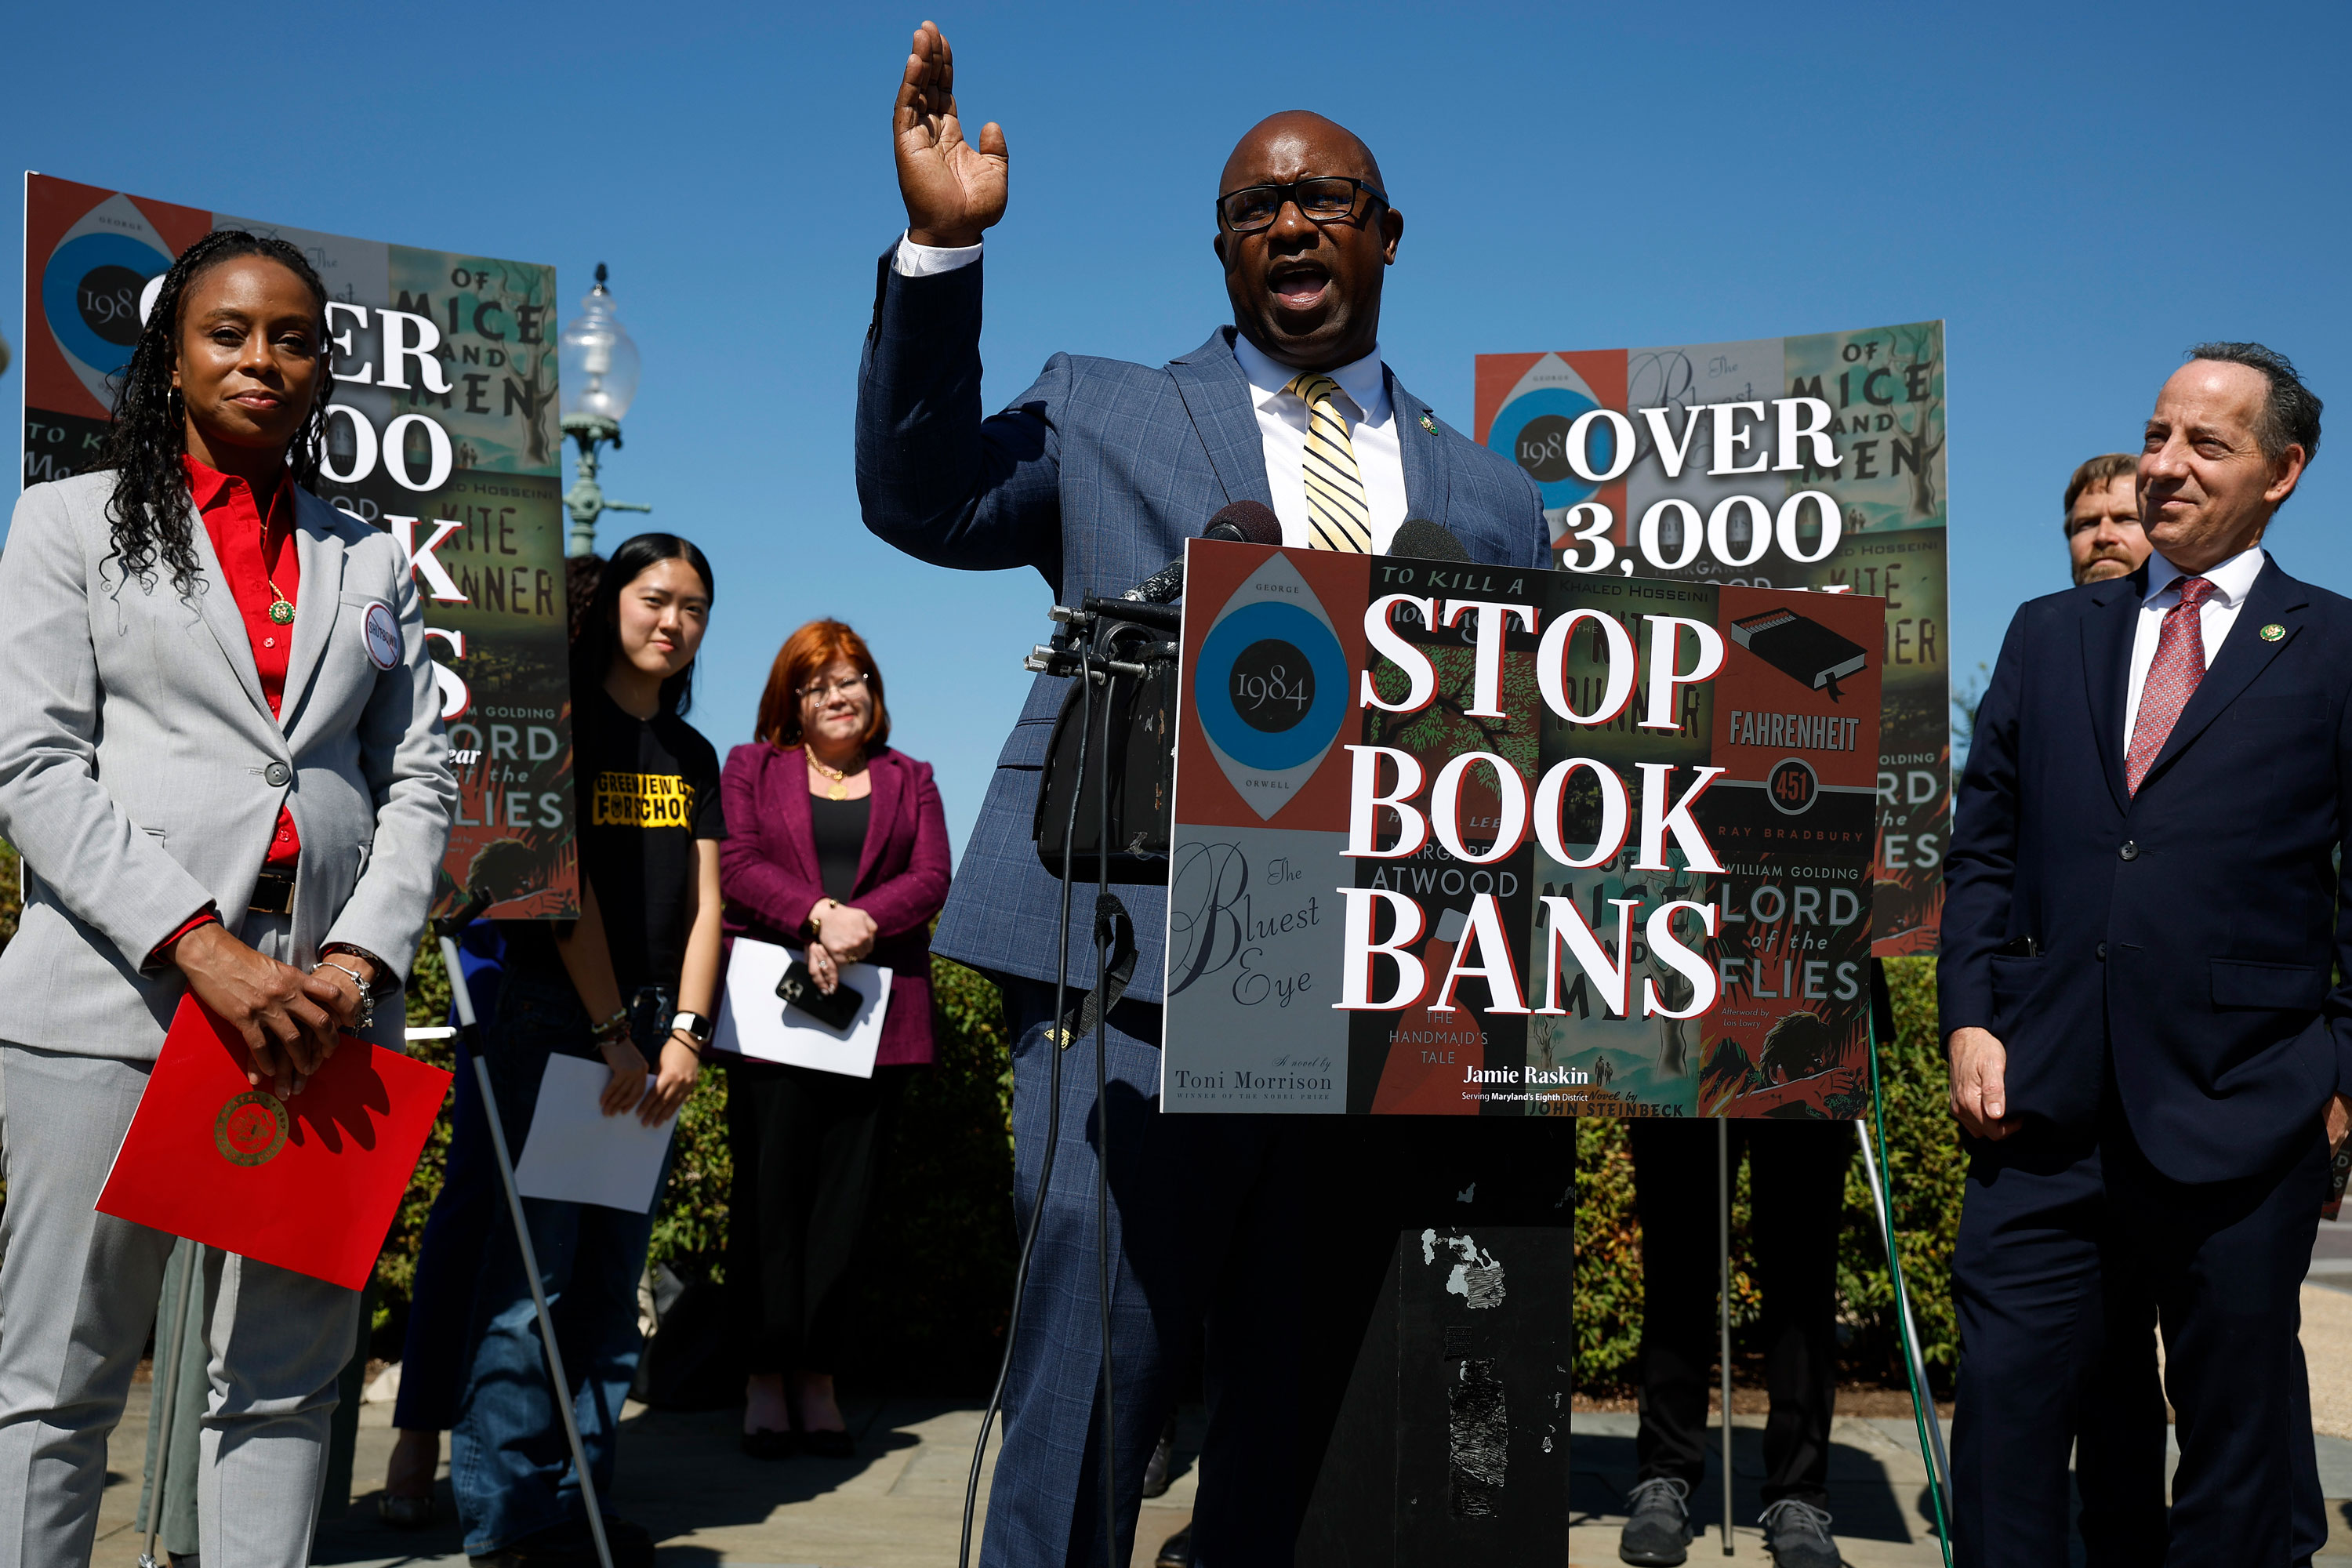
{"x": 838, "y": 849}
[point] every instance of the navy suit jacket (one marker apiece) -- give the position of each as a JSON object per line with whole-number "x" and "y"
{"x": 1094, "y": 477}
{"x": 2189, "y": 934}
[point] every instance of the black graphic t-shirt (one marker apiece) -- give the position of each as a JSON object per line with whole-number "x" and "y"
{"x": 647, "y": 789}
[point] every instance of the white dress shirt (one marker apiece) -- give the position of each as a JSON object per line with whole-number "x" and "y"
{"x": 1363, "y": 401}
{"x": 2232, "y": 580}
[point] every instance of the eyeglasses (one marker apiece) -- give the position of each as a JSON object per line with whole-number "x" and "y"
{"x": 824, "y": 691}
{"x": 1327, "y": 198}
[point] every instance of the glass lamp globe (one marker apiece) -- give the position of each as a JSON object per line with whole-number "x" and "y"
{"x": 598, "y": 359}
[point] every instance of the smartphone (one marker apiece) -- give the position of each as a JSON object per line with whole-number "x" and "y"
{"x": 798, "y": 988}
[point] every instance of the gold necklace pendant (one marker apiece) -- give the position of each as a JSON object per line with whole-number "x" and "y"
{"x": 281, "y": 609}
{"x": 840, "y": 777}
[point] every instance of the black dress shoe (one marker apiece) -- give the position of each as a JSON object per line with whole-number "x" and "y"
{"x": 766, "y": 1445}
{"x": 1156, "y": 1476}
{"x": 828, "y": 1444}
{"x": 1176, "y": 1552}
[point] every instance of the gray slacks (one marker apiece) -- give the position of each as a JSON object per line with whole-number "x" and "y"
{"x": 77, "y": 1294}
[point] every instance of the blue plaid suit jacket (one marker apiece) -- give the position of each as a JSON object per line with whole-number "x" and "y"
{"x": 1094, "y": 477}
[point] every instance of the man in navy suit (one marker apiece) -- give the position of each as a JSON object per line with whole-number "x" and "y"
{"x": 2148, "y": 1053}
{"x": 1094, "y": 477}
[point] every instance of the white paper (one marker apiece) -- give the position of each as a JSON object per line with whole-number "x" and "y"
{"x": 581, "y": 1155}
{"x": 754, "y": 1021}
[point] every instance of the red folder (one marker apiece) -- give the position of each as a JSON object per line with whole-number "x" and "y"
{"x": 310, "y": 1184}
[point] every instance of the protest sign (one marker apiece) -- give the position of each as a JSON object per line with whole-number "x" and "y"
{"x": 1463, "y": 840}
{"x": 1689, "y": 462}
{"x": 443, "y": 432}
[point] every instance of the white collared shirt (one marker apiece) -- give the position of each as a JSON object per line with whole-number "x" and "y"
{"x": 1363, "y": 401}
{"x": 2232, "y": 580}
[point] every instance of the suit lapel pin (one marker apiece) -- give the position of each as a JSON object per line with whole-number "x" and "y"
{"x": 2272, "y": 632}
{"x": 1429, "y": 425}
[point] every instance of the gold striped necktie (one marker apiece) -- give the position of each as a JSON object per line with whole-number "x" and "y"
{"x": 1337, "y": 516}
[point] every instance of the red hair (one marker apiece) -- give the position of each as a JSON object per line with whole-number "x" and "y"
{"x": 805, "y": 652}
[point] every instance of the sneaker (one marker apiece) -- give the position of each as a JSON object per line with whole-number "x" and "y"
{"x": 558, "y": 1546}
{"x": 1657, "y": 1528}
{"x": 1797, "y": 1534}
{"x": 632, "y": 1543}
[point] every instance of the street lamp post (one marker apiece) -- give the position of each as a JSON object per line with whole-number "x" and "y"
{"x": 599, "y": 369}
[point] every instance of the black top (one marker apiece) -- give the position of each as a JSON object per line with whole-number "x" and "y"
{"x": 839, "y": 828}
{"x": 647, "y": 790}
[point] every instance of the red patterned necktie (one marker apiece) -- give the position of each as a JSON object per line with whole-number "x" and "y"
{"x": 2172, "y": 678}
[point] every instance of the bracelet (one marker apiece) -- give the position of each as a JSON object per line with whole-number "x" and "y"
{"x": 614, "y": 1027}
{"x": 366, "y": 1014}
{"x": 816, "y": 921}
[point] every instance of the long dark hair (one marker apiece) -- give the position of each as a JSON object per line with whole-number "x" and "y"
{"x": 149, "y": 513}
{"x": 599, "y": 637}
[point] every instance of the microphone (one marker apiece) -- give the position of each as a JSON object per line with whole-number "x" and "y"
{"x": 1419, "y": 537}
{"x": 1240, "y": 523}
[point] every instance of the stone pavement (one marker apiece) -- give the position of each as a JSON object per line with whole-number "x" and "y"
{"x": 900, "y": 1503}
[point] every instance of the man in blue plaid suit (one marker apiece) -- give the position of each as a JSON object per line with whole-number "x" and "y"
{"x": 1094, "y": 477}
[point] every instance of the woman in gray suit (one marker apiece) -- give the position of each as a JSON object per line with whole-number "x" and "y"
{"x": 221, "y": 758}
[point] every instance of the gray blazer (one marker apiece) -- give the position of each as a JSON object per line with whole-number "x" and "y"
{"x": 140, "y": 771}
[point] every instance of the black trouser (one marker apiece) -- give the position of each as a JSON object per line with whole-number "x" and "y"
{"x": 806, "y": 1146}
{"x": 1797, "y": 1182}
{"x": 2068, "y": 1246}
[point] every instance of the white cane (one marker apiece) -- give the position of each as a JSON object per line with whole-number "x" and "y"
{"x": 176, "y": 1346}
{"x": 470, "y": 1033}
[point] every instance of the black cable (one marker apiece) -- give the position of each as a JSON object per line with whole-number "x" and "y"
{"x": 1102, "y": 1125}
{"x": 1053, "y": 1126}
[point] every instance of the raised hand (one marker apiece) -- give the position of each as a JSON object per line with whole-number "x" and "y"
{"x": 953, "y": 189}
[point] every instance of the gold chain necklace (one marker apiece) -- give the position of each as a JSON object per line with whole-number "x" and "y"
{"x": 840, "y": 776}
{"x": 281, "y": 608}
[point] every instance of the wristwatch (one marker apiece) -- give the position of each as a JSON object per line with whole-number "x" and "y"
{"x": 695, "y": 1026}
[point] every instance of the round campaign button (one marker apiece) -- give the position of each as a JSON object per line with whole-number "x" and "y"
{"x": 2272, "y": 632}
{"x": 1792, "y": 786}
{"x": 383, "y": 634}
{"x": 251, "y": 1128}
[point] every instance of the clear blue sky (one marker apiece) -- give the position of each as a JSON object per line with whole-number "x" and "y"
{"x": 2080, "y": 195}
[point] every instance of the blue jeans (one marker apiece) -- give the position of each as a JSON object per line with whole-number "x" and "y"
{"x": 509, "y": 1462}
{"x": 437, "y": 1351}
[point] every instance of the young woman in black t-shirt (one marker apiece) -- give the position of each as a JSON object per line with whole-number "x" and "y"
{"x": 634, "y": 981}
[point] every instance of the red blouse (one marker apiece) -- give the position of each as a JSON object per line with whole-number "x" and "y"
{"x": 254, "y": 553}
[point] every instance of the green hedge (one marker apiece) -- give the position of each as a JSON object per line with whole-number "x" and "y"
{"x": 1926, "y": 1166}
{"x": 938, "y": 1273}
{"x": 935, "y": 1281}
{"x": 939, "y": 1268}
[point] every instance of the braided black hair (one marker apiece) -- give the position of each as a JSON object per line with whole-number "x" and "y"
{"x": 149, "y": 513}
